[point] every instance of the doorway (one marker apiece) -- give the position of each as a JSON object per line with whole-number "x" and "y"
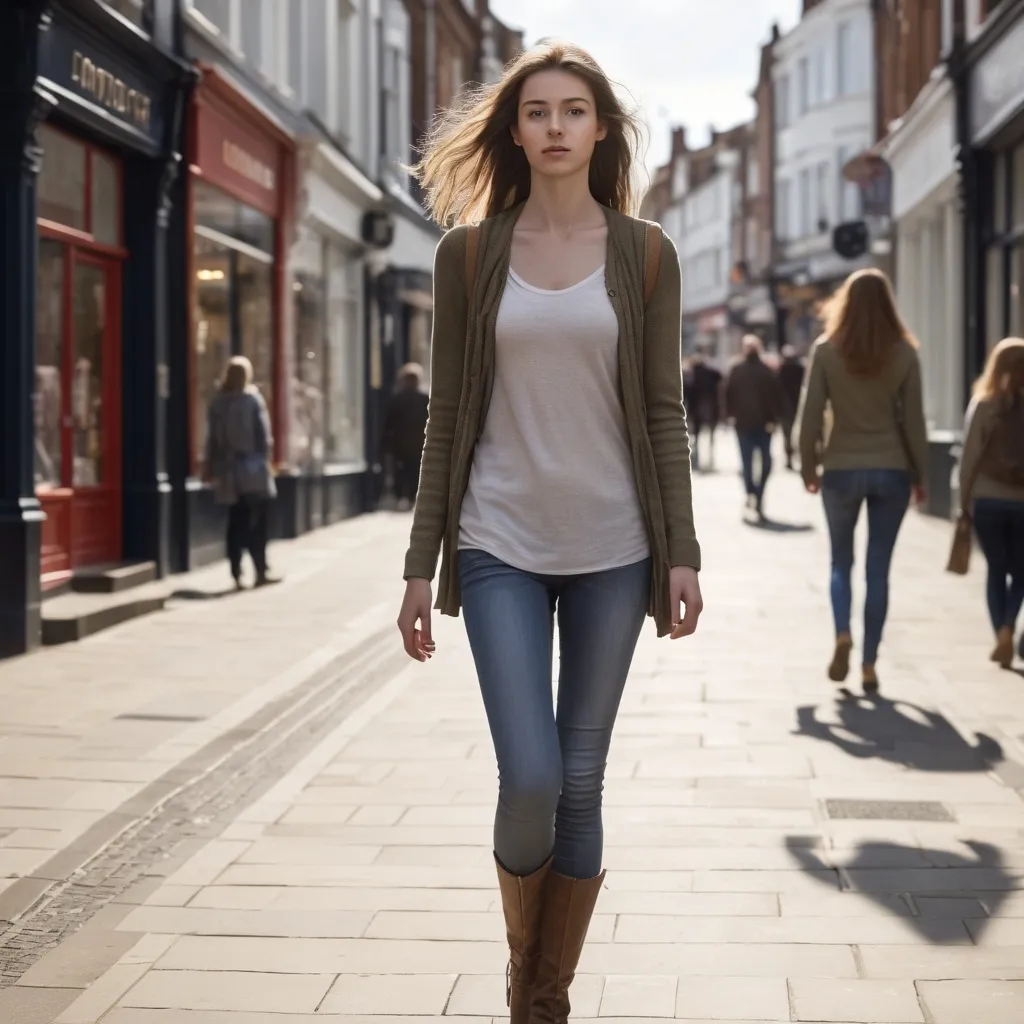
{"x": 77, "y": 408}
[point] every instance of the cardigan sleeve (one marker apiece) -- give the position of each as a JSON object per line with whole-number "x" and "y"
{"x": 970, "y": 456}
{"x": 447, "y": 354}
{"x": 811, "y": 417}
{"x": 666, "y": 418}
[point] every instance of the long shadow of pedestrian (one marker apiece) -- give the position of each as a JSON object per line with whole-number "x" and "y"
{"x": 945, "y": 896}
{"x": 777, "y": 526}
{"x": 900, "y": 733}
{"x": 202, "y": 595}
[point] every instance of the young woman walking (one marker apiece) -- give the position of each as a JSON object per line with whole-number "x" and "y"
{"x": 866, "y": 369}
{"x": 556, "y": 471}
{"x": 992, "y": 486}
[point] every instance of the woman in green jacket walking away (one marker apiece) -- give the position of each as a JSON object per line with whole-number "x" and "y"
{"x": 556, "y": 471}
{"x": 867, "y": 370}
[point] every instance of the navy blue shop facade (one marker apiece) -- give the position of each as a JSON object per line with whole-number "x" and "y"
{"x": 990, "y": 93}
{"x": 89, "y": 146}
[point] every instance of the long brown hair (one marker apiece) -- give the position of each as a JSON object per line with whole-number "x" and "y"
{"x": 470, "y": 167}
{"x": 1003, "y": 376}
{"x": 862, "y": 322}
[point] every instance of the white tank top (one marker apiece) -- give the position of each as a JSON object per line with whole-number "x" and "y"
{"x": 552, "y": 488}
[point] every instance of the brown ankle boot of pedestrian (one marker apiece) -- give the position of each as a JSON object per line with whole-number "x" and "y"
{"x": 1003, "y": 652}
{"x": 568, "y": 907}
{"x": 522, "y": 901}
{"x": 869, "y": 680}
{"x": 839, "y": 667}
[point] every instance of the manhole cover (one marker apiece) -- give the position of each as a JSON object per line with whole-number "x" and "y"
{"x": 888, "y": 810}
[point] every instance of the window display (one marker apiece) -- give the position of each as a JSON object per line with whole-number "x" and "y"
{"x": 344, "y": 440}
{"x": 308, "y": 382}
{"x": 233, "y": 299}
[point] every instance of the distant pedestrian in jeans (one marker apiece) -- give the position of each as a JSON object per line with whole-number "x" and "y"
{"x": 755, "y": 403}
{"x": 237, "y": 462}
{"x": 992, "y": 486}
{"x": 866, "y": 369}
{"x": 556, "y": 472}
{"x": 405, "y": 425}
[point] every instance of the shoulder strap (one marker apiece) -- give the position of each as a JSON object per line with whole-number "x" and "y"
{"x": 652, "y": 260}
{"x": 472, "y": 247}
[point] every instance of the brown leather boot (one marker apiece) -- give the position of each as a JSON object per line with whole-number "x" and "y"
{"x": 568, "y": 907}
{"x": 1003, "y": 653}
{"x": 522, "y": 903}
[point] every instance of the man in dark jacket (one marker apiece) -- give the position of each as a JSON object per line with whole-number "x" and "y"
{"x": 791, "y": 377}
{"x": 755, "y": 403}
{"x": 405, "y": 425}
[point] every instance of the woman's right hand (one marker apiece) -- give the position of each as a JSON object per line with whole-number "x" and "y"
{"x": 416, "y": 605}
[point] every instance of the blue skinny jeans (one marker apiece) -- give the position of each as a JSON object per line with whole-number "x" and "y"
{"x": 551, "y": 762}
{"x": 886, "y": 492}
{"x": 1000, "y": 529}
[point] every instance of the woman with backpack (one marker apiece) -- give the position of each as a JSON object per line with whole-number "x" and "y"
{"x": 556, "y": 472}
{"x": 866, "y": 370}
{"x": 992, "y": 486}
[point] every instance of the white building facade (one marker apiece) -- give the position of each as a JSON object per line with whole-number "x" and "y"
{"x": 824, "y": 91}
{"x": 700, "y": 222}
{"x": 921, "y": 150}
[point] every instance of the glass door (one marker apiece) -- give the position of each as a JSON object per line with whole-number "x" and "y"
{"x": 92, "y": 434}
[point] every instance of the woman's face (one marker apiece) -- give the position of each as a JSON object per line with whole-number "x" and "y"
{"x": 557, "y": 125}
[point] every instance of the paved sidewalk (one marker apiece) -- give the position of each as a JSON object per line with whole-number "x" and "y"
{"x": 773, "y": 854}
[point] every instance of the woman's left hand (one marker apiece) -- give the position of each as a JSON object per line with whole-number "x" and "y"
{"x": 684, "y": 593}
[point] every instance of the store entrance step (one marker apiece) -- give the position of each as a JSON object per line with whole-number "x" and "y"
{"x": 112, "y": 578}
{"x": 73, "y": 616}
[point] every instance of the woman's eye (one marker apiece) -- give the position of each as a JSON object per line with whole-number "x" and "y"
{"x": 575, "y": 110}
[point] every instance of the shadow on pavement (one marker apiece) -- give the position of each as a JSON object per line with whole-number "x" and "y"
{"x": 203, "y": 595}
{"x": 776, "y": 526}
{"x": 945, "y": 896}
{"x": 900, "y": 733}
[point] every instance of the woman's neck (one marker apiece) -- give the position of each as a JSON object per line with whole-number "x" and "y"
{"x": 561, "y": 206}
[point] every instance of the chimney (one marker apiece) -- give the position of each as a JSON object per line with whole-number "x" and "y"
{"x": 776, "y": 34}
{"x": 678, "y": 142}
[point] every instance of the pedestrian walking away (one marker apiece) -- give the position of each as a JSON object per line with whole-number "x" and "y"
{"x": 866, "y": 369}
{"x": 405, "y": 424}
{"x": 791, "y": 376}
{"x": 706, "y": 408}
{"x": 992, "y": 487}
{"x": 237, "y": 463}
{"x": 755, "y": 403}
{"x": 555, "y": 484}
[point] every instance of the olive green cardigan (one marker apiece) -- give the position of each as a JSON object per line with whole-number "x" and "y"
{"x": 462, "y": 374}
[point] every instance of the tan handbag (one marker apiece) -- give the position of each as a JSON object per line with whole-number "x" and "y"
{"x": 960, "y": 550}
{"x": 963, "y": 532}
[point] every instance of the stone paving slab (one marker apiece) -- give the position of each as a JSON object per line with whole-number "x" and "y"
{"x": 360, "y": 886}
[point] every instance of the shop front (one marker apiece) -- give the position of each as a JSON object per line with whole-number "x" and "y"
{"x": 89, "y": 151}
{"x": 327, "y": 437}
{"x": 929, "y": 259}
{"x": 239, "y": 205}
{"x": 996, "y": 118}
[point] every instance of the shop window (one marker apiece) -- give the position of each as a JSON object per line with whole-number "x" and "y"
{"x": 1018, "y": 188}
{"x": 308, "y": 384}
{"x": 62, "y": 186}
{"x": 79, "y": 187}
{"x": 233, "y": 299}
{"x": 48, "y": 398}
{"x": 105, "y": 203}
{"x": 344, "y": 357}
{"x": 1017, "y": 293}
{"x": 994, "y": 300}
{"x": 89, "y": 300}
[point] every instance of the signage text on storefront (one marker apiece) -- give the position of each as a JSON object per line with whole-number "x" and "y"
{"x": 110, "y": 91}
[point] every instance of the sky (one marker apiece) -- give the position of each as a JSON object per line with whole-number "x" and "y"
{"x": 690, "y": 62}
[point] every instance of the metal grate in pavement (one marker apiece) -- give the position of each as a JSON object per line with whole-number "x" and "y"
{"x": 888, "y": 810}
{"x": 159, "y": 718}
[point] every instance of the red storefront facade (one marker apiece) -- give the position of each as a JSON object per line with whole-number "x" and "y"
{"x": 240, "y": 210}
{"x": 240, "y": 221}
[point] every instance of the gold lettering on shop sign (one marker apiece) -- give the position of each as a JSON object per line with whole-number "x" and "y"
{"x": 245, "y": 164}
{"x": 110, "y": 91}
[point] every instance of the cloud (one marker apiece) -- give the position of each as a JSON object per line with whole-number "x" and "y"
{"x": 683, "y": 61}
